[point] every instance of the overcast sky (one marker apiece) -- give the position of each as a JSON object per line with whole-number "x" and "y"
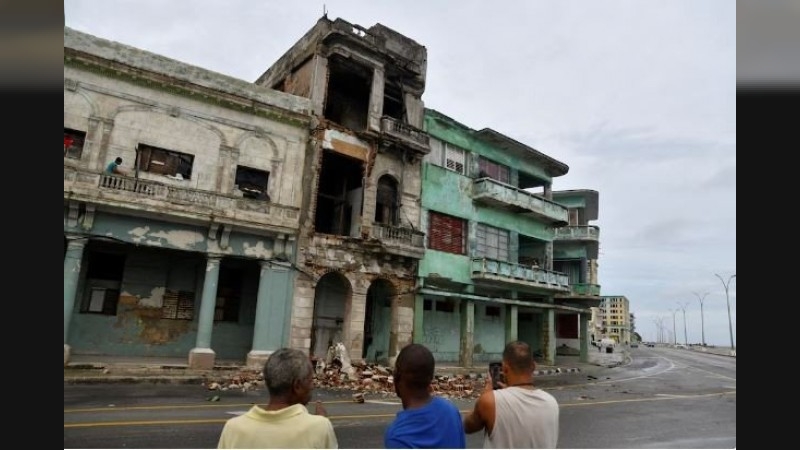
{"x": 637, "y": 98}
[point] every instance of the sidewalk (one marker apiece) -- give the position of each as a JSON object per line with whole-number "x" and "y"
{"x": 92, "y": 369}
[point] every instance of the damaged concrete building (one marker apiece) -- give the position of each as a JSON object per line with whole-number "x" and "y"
{"x": 576, "y": 249}
{"x": 488, "y": 275}
{"x": 359, "y": 243}
{"x": 189, "y": 252}
{"x": 320, "y": 204}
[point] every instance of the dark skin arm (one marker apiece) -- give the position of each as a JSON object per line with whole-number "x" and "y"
{"x": 483, "y": 414}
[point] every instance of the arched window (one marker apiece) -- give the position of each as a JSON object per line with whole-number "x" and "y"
{"x": 387, "y": 202}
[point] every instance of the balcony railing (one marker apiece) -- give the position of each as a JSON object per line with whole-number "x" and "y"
{"x": 399, "y": 240}
{"x": 407, "y": 133}
{"x": 512, "y": 273}
{"x": 578, "y": 232}
{"x": 149, "y": 193}
{"x": 398, "y": 235}
{"x": 585, "y": 289}
{"x": 488, "y": 190}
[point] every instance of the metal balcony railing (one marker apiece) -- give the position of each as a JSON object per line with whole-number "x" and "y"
{"x": 518, "y": 273}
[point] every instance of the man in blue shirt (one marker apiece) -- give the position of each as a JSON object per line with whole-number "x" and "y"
{"x": 426, "y": 421}
{"x": 113, "y": 167}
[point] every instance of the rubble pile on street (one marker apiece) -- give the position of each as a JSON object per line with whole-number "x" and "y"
{"x": 336, "y": 372}
{"x": 370, "y": 379}
{"x": 378, "y": 379}
{"x": 244, "y": 380}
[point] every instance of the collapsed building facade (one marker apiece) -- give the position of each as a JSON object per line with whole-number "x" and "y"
{"x": 359, "y": 243}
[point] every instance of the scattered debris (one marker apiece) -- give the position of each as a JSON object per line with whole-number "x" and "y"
{"x": 337, "y": 372}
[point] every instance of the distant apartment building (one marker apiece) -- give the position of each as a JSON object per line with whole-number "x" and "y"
{"x": 614, "y": 313}
{"x": 360, "y": 241}
{"x": 491, "y": 220}
{"x": 189, "y": 253}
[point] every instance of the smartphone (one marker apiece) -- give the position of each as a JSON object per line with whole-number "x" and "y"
{"x": 496, "y": 372}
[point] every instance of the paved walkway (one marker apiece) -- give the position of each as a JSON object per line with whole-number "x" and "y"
{"x": 100, "y": 368}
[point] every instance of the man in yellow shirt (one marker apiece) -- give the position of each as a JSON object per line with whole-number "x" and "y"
{"x": 284, "y": 422}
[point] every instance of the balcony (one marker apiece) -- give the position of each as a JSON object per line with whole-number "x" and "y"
{"x": 411, "y": 136}
{"x": 162, "y": 198}
{"x": 399, "y": 240}
{"x": 496, "y": 193}
{"x": 578, "y": 233}
{"x": 585, "y": 289}
{"x": 507, "y": 273}
{"x": 586, "y": 235}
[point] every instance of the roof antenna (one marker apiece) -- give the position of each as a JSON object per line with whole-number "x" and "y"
{"x": 324, "y": 11}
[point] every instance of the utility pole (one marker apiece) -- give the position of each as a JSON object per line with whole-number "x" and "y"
{"x": 683, "y": 306}
{"x": 728, "y": 302}
{"x": 702, "y": 324}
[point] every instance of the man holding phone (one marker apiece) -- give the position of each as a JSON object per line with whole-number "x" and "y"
{"x": 511, "y": 411}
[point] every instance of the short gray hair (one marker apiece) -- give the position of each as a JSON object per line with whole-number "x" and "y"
{"x": 284, "y": 367}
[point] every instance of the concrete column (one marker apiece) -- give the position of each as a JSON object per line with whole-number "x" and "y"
{"x": 419, "y": 327}
{"x": 94, "y": 136}
{"x": 202, "y": 357}
{"x": 512, "y": 325}
{"x": 548, "y": 191}
{"x": 354, "y": 325}
{"x": 319, "y": 84}
{"x": 72, "y": 271}
{"x": 228, "y": 160}
{"x": 513, "y": 246}
{"x": 376, "y": 99}
{"x": 583, "y": 334}
{"x": 549, "y": 331}
{"x": 467, "y": 333}
{"x": 584, "y": 275}
{"x": 415, "y": 109}
{"x": 273, "y": 300}
{"x": 102, "y": 158}
{"x": 402, "y": 325}
{"x": 548, "y": 255}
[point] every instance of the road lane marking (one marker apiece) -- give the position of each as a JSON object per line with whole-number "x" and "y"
{"x": 377, "y": 416}
{"x": 203, "y": 405}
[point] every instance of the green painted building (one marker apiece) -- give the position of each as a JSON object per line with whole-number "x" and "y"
{"x": 490, "y": 220}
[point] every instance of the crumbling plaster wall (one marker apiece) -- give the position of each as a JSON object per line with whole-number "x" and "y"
{"x": 348, "y": 257}
{"x": 217, "y": 137}
{"x": 407, "y": 174}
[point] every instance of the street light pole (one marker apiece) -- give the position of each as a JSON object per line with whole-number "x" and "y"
{"x": 674, "y": 334}
{"x": 728, "y": 302}
{"x": 683, "y": 306}
{"x": 702, "y": 324}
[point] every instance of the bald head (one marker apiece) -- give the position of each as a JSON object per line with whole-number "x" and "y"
{"x": 519, "y": 358}
{"x": 414, "y": 367}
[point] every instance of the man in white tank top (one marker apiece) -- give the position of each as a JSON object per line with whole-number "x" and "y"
{"x": 517, "y": 415}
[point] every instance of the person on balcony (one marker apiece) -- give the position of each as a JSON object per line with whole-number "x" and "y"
{"x": 113, "y": 167}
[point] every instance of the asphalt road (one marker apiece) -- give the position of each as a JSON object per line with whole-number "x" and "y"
{"x": 664, "y": 398}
